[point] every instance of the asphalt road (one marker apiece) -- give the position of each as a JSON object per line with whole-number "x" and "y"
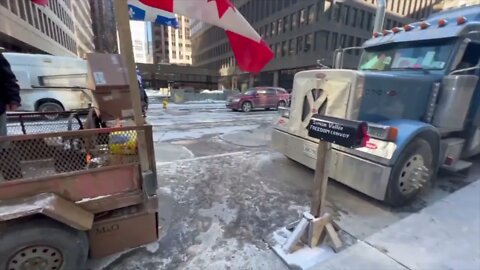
{"x": 223, "y": 192}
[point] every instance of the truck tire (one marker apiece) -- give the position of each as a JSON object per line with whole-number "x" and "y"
{"x": 43, "y": 244}
{"x": 403, "y": 184}
{"x": 50, "y": 106}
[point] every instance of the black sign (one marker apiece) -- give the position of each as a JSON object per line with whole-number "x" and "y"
{"x": 338, "y": 131}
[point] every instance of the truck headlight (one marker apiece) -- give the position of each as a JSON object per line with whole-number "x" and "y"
{"x": 284, "y": 112}
{"x": 235, "y": 100}
{"x": 384, "y": 133}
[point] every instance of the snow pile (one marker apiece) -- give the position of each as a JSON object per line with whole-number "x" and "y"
{"x": 206, "y": 91}
{"x": 206, "y": 101}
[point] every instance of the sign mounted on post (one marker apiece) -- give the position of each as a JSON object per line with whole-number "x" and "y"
{"x": 338, "y": 131}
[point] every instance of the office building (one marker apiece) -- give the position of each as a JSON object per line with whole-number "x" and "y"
{"x": 142, "y": 41}
{"x": 299, "y": 32}
{"x": 173, "y": 45}
{"x": 64, "y": 27}
{"x": 104, "y": 26}
{"x": 448, "y": 4}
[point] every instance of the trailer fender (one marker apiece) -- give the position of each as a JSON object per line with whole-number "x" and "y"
{"x": 49, "y": 205}
{"x": 410, "y": 129}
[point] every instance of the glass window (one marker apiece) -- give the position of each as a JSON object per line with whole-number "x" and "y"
{"x": 13, "y": 7}
{"x": 337, "y": 8}
{"x": 280, "y": 26}
{"x": 334, "y": 41}
{"x": 271, "y": 92}
{"x": 303, "y": 16}
{"x": 370, "y": 22}
{"x": 299, "y": 44}
{"x": 267, "y": 30}
{"x": 342, "y": 41}
{"x": 274, "y": 28}
{"x": 294, "y": 20}
{"x": 311, "y": 14}
{"x": 284, "y": 48}
{"x": 286, "y": 23}
{"x": 353, "y": 17}
{"x": 292, "y": 46}
{"x": 278, "y": 48}
{"x": 427, "y": 55}
{"x": 346, "y": 14}
{"x": 308, "y": 42}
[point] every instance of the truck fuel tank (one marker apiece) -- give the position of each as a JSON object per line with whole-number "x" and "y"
{"x": 454, "y": 102}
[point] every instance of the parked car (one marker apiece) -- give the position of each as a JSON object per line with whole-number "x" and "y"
{"x": 259, "y": 98}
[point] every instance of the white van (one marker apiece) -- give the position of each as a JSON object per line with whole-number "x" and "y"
{"x": 50, "y": 83}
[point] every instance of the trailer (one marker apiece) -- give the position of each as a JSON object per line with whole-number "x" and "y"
{"x": 416, "y": 86}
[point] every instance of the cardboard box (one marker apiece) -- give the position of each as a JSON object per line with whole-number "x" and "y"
{"x": 115, "y": 104}
{"x": 123, "y": 229}
{"x": 106, "y": 72}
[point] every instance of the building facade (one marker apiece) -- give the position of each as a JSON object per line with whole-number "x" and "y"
{"x": 299, "y": 32}
{"x": 64, "y": 27}
{"x": 142, "y": 41}
{"x": 448, "y": 4}
{"x": 172, "y": 45}
{"x": 104, "y": 26}
{"x": 159, "y": 44}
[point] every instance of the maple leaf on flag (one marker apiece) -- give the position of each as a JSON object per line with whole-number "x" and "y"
{"x": 40, "y": 2}
{"x": 222, "y": 6}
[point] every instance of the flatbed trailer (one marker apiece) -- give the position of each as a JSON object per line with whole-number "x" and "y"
{"x": 74, "y": 193}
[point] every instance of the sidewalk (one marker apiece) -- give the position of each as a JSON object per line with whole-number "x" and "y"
{"x": 445, "y": 235}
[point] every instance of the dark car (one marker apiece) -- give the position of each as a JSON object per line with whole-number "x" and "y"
{"x": 259, "y": 98}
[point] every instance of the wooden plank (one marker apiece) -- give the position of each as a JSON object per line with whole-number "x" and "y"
{"x": 320, "y": 181}
{"x": 126, "y": 47}
{"x": 337, "y": 243}
{"x": 316, "y": 229}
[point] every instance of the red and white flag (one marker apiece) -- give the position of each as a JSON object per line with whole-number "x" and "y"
{"x": 40, "y": 2}
{"x": 251, "y": 51}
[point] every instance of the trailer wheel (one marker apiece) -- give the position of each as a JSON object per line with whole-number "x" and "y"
{"x": 42, "y": 244}
{"x": 413, "y": 170}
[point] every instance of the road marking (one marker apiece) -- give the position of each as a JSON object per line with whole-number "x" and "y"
{"x": 203, "y": 158}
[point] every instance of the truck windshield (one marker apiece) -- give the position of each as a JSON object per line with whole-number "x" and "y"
{"x": 429, "y": 55}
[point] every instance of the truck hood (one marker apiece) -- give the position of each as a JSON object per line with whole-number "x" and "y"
{"x": 396, "y": 95}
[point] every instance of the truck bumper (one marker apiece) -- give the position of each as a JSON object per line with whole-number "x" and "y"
{"x": 366, "y": 176}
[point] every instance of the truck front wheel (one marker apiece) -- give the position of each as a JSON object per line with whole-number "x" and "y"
{"x": 413, "y": 170}
{"x": 42, "y": 244}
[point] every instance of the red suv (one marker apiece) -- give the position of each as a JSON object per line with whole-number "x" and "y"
{"x": 259, "y": 98}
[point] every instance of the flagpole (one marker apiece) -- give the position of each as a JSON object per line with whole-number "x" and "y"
{"x": 126, "y": 48}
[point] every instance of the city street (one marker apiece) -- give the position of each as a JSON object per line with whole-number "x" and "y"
{"x": 223, "y": 191}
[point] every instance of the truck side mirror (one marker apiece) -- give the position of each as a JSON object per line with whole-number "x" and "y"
{"x": 343, "y": 132}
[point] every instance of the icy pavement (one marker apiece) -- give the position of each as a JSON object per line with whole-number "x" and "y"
{"x": 223, "y": 192}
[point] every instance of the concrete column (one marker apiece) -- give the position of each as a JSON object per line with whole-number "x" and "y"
{"x": 251, "y": 80}
{"x": 276, "y": 75}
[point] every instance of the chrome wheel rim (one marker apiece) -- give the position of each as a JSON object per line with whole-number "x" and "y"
{"x": 247, "y": 107}
{"x": 414, "y": 175}
{"x": 36, "y": 258}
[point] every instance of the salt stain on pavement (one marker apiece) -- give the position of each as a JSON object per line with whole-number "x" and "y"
{"x": 221, "y": 212}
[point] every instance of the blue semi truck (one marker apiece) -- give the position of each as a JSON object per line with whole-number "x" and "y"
{"x": 417, "y": 87}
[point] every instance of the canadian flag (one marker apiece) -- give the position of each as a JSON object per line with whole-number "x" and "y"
{"x": 40, "y": 2}
{"x": 251, "y": 51}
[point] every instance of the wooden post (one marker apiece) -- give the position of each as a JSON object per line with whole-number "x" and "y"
{"x": 126, "y": 48}
{"x": 320, "y": 180}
